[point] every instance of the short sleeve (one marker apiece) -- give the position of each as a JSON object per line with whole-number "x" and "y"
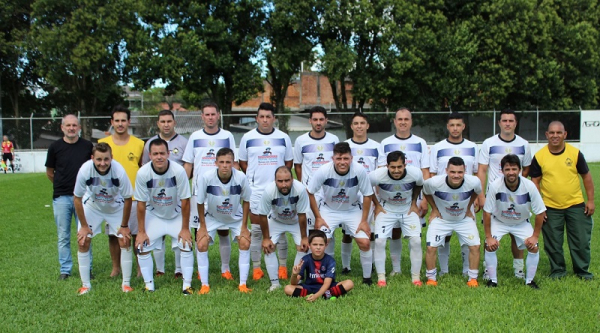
{"x": 242, "y": 150}
{"x": 582, "y": 167}
{"x": 201, "y": 189}
{"x": 535, "y": 170}
{"x": 183, "y": 184}
{"x": 316, "y": 182}
{"x": 484, "y": 154}
{"x": 80, "y": 186}
{"x": 427, "y": 186}
{"x": 363, "y": 181}
{"x": 188, "y": 153}
{"x": 289, "y": 153}
{"x": 298, "y": 156}
{"x": 51, "y": 157}
{"x": 141, "y": 188}
{"x": 146, "y": 153}
{"x": 527, "y": 156}
{"x": 246, "y": 190}
{"x": 433, "y": 165}
{"x": 425, "y": 159}
{"x": 303, "y": 205}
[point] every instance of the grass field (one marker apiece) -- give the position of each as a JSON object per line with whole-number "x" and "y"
{"x": 33, "y": 300}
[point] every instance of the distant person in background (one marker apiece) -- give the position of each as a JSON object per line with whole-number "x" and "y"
{"x": 8, "y": 150}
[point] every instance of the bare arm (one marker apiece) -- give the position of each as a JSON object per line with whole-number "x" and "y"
{"x": 482, "y": 175}
{"x": 243, "y": 165}
{"x": 50, "y": 174}
{"x": 525, "y": 171}
{"x": 298, "y": 169}
{"x": 588, "y": 183}
{"x": 289, "y": 164}
{"x": 189, "y": 168}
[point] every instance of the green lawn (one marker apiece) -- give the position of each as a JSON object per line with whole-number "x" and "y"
{"x": 33, "y": 300}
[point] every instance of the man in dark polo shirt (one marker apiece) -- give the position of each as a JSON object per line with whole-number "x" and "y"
{"x": 65, "y": 157}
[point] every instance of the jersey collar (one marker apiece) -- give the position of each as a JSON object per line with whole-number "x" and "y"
{"x": 215, "y": 133}
{"x": 399, "y": 138}
{"x": 454, "y": 188}
{"x": 259, "y": 132}
{"x": 359, "y": 143}
{"x": 161, "y": 173}
{"x": 455, "y": 143}
{"x": 507, "y": 141}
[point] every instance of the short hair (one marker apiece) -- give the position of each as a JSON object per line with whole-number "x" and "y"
{"x": 402, "y": 108}
{"x": 360, "y": 114}
{"x": 458, "y": 161}
{"x": 102, "y": 147}
{"x": 158, "y": 142}
{"x": 395, "y": 156}
{"x": 508, "y": 111}
{"x": 208, "y": 105}
{"x": 283, "y": 167}
{"x": 224, "y": 151}
{"x": 342, "y": 148}
{"x": 62, "y": 122}
{"x": 511, "y": 159}
{"x": 266, "y": 107}
{"x": 557, "y": 122}
{"x": 455, "y": 115}
{"x": 166, "y": 113}
{"x": 317, "y": 109}
{"x": 120, "y": 108}
{"x": 317, "y": 234}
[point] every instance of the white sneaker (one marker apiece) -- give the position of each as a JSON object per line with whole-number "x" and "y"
{"x": 394, "y": 273}
{"x": 274, "y": 287}
{"x": 520, "y": 275}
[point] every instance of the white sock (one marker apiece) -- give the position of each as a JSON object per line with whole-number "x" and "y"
{"x": 518, "y": 265}
{"x": 491, "y": 261}
{"x": 244, "y": 265}
{"x": 147, "y": 268}
{"x": 126, "y": 265}
{"x": 366, "y": 261}
{"x": 380, "y": 255}
{"x": 299, "y": 256}
{"x": 225, "y": 250}
{"x": 464, "y": 251}
{"x": 346, "y": 254}
{"x": 198, "y": 263}
{"x": 271, "y": 263}
{"x": 533, "y": 260}
{"x": 203, "y": 267}
{"x": 159, "y": 257}
{"x": 330, "y": 249}
{"x": 187, "y": 267}
{"x": 473, "y": 273}
{"x": 416, "y": 257}
{"x": 444, "y": 257}
{"x": 256, "y": 245}
{"x": 396, "y": 254}
{"x": 84, "y": 268}
{"x": 177, "y": 254}
{"x": 282, "y": 250}
{"x": 431, "y": 274}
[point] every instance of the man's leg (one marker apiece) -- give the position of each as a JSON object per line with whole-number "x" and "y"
{"x": 553, "y": 232}
{"x": 444, "y": 256}
{"x": 430, "y": 259}
{"x": 579, "y": 238}
{"x": 115, "y": 254}
{"x": 255, "y": 247}
{"x": 225, "y": 251}
{"x": 282, "y": 251}
{"x": 518, "y": 254}
{"x": 396, "y": 250}
{"x": 63, "y": 213}
{"x": 346, "y": 252}
{"x": 491, "y": 261}
{"x": 159, "y": 258}
{"x": 83, "y": 259}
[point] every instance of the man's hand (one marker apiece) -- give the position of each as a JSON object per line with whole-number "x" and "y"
{"x": 186, "y": 238}
{"x": 378, "y": 209}
{"x": 200, "y": 234}
{"x": 364, "y": 226}
{"x": 267, "y": 245}
{"x": 245, "y": 233}
{"x": 126, "y": 233}
{"x": 423, "y": 208}
{"x": 434, "y": 215}
{"x": 531, "y": 243}
{"x": 491, "y": 244}
{"x": 414, "y": 209}
{"x": 304, "y": 244}
{"x": 319, "y": 222}
{"x": 590, "y": 208}
{"x": 82, "y": 234}
{"x": 141, "y": 240}
{"x": 469, "y": 213}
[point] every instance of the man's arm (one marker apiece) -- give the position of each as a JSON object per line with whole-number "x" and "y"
{"x": 536, "y": 181}
{"x": 491, "y": 243}
{"x": 532, "y": 241}
{"x": 50, "y": 174}
{"x": 289, "y": 164}
{"x": 189, "y": 168}
{"x": 525, "y": 172}
{"x": 435, "y": 213}
{"x": 142, "y": 237}
{"x": 243, "y": 165}
{"x": 588, "y": 184}
{"x": 319, "y": 222}
{"x": 482, "y": 175}
{"x": 298, "y": 169}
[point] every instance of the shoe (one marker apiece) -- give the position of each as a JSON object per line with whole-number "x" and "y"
{"x": 283, "y": 273}
{"x": 243, "y": 288}
{"x": 227, "y": 275}
{"x": 188, "y": 291}
{"x": 442, "y": 273}
{"x": 486, "y": 276}
{"x": 431, "y": 282}
{"x": 83, "y": 290}
{"x": 586, "y": 278}
{"x": 346, "y": 270}
{"x": 533, "y": 285}
{"x": 367, "y": 281}
{"x": 381, "y": 283}
{"x": 394, "y": 273}
{"x": 63, "y": 276}
{"x": 519, "y": 275}
{"x": 473, "y": 283}
{"x": 491, "y": 284}
{"x": 257, "y": 274}
{"x": 148, "y": 290}
{"x": 159, "y": 273}
{"x": 417, "y": 283}
{"x": 178, "y": 276}
{"x": 204, "y": 290}
{"x": 274, "y": 287}
{"x": 126, "y": 289}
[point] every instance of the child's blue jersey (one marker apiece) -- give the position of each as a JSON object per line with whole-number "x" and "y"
{"x": 316, "y": 271}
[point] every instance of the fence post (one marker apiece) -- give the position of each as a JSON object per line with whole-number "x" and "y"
{"x": 31, "y": 131}
{"x": 537, "y": 125}
{"x": 494, "y": 122}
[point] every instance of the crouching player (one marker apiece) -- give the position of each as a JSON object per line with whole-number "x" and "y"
{"x": 399, "y": 188}
{"x": 226, "y": 193}
{"x": 163, "y": 193}
{"x": 317, "y": 270}
{"x": 507, "y": 209}
{"x": 103, "y": 193}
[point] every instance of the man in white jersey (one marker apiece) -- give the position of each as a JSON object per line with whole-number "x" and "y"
{"x": 103, "y": 193}
{"x": 417, "y": 155}
{"x": 451, "y": 196}
{"x": 177, "y": 143}
{"x": 199, "y": 157}
{"x": 441, "y": 152}
{"x": 283, "y": 208}
{"x": 225, "y": 192}
{"x": 508, "y": 205}
{"x": 399, "y": 186}
{"x": 261, "y": 152}
{"x": 163, "y": 192}
{"x": 492, "y": 151}
{"x": 368, "y": 153}
{"x": 347, "y": 194}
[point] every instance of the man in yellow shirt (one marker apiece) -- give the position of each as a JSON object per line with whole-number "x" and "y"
{"x": 127, "y": 150}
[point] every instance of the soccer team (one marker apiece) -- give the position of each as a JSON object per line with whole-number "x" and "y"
{"x": 373, "y": 192}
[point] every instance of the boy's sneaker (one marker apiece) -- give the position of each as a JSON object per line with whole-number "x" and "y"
{"x": 257, "y": 274}
{"x": 204, "y": 290}
{"x": 473, "y": 283}
{"x": 227, "y": 275}
{"x": 83, "y": 290}
{"x": 283, "y": 273}
{"x": 243, "y": 288}
{"x": 533, "y": 285}
{"x": 126, "y": 289}
{"x": 431, "y": 282}
{"x": 491, "y": 284}
{"x": 188, "y": 291}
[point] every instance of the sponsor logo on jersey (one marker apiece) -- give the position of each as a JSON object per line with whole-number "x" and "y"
{"x": 225, "y": 207}
{"x": 341, "y": 197}
{"x": 287, "y": 214}
{"x": 161, "y": 198}
{"x": 455, "y": 209}
{"x": 267, "y": 158}
{"x": 511, "y": 213}
{"x": 103, "y": 196}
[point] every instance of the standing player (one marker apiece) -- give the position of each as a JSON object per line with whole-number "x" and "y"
{"x": 441, "y": 152}
{"x": 163, "y": 193}
{"x": 103, "y": 193}
{"x": 261, "y": 152}
{"x": 507, "y": 209}
{"x": 199, "y": 158}
{"x": 8, "y": 149}
{"x": 226, "y": 193}
{"x": 177, "y": 143}
{"x": 417, "y": 155}
{"x": 127, "y": 150}
{"x": 399, "y": 187}
{"x": 492, "y": 151}
{"x": 451, "y": 196}
{"x": 283, "y": 208}
{"x": 347, "y": 199}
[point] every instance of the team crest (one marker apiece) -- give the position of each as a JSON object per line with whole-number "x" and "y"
{"x": 266, "y": 142}
{"x": 470, "y": 237}
{"x": 211, "y": 143}
{"x": 397, "y": 187}
{"x": 320, "y": 148}
{"x": 510, "y": 198}
{"x": 507, "y": 150}
{"x": 455, "y": 197}
{"x": 569, "y": 162}
{"x": 130, "y": 156}
{"x": 175, "y": 151}
{"x": 457, "y": 152}
{"x": 359, "y": 152}
{"x": 161, "y": 183}
{"x": 342, "y": 183}
{"x": 224, "y": 192}
{"x": 103, "y": 183}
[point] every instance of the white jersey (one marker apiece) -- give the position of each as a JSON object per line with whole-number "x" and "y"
{"x": 284, "y": 208}
{"x": 494, "y": 149}
{"x": 264, "y": 154}
{"x": 313, "y": 153}
{"x": 396, "y": 195}
{"x": 104, "y": 193}
{"x": 162, "y": 192}
{"x": 341, "y": 192}
{"x": 442, "y": 151}
{"x": 223, "y": 200}
{"x": 452, "y": 203}
{"x": 513, "y": 207}
{"x": 369, "y": 154}
{"x": 415, "y": 149}
{"x": 177, "y": 146}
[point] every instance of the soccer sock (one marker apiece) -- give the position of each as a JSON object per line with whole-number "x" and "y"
{"x": 431, "y": 274}
{"x": 444, "y": 257}
{"x": 225, "y": 250}
{"x": 518, "y": 265}
{"x": 126, "y": 265}
{"x": 533, "y": 260}
{"x": 198, "y": 256}
{"x": 416, "y": 257}
{"x": 282, "y": 250}
{"x": 299, "y": 256}
{"x": 464, "y": 251}
{"x": 203, "y": 267}
{"x": 244, "y": 265}
{"x": 491, "y": 260}
{"x": 177, "y": 253}
{"x": 346, "y": 254}
{"x": 297, "y": 292}
{"x": 473, "y": 273}
{"x": 84, "y": 268}
{"x": 396, "y": 253}
{"x": 380, "y": 256}
{"x": 255, "y": 245}
{"x": 147, "y": 269}
{"x": 342, "y": 289}
{"x": 271, "y": 263}
{"x": 187, "y": 268}
{"x": 330, "y": 249}
{"x": 366, "y": 260}
{"x": 159, "y": 257}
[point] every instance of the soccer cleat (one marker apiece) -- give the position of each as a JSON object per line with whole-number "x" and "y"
{"x": 178, "y": 276}
{"x": 126, "y": 289}
{"x": 83, "y": 291}
{"x": 367, "y": 281}
{"x": 491, "y": 284}
{"x": 243, "y": 288}
{"x": 417, "y": 283}
{"x": 473, "y": 283}
{"x": 283, "y": 273}
{"x": 63, "y": 276}
{"x": 188, "y": 291}
{"x": 204, "y": 290}
{"x": 519, "y": 274}
{"x": 381, "y": 283}
{"x": 485, "y": 276}
{"x": 159, "y": 273}
{"x": 257, "y": 274}
{"x": 431, "y": 282}
{"x": 274, "y": 287}
{"x": 148, "y": 290}
{"x": 533, "y": 285}
{"x": 227, "y": 275}
{"x": 346, "y": 270}
{"x": 394, "y": 273}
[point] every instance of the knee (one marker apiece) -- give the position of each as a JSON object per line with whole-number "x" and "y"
{"x": 363, "y": 244}
{"x": 431, "y": 250}
{"x": 244, "y": 243}
{"x": 86, "y": 245}
{"x": 414, "y": 241}
{"x": 474, "y": 248}
{"x": 289, "y": 289}
{"x": 203, "y": 244}
{"x": 124, "y": 243}
{"x": 348, "y": 284}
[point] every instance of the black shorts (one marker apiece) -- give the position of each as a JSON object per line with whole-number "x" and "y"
{"x": 7, "y": 157}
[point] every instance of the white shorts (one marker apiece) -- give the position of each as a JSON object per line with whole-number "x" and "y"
{"x": 521, "y": 231}
{"x": 255, "y": 200}
{"x": 212, "y": 225}
{"x": 194, "y": 218}
{"x": 370, "y": 218}
{"x": 132, "y": 223}
{"x": 466, "y": 229}
{"x": 277, "y": 229}
{"x": 310, "y": 217}
{"x": 96, "y": 218}
{"x": 157, "y": 228}
{"x": 348, "y": 219}
{"x": 410, "y": 224}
